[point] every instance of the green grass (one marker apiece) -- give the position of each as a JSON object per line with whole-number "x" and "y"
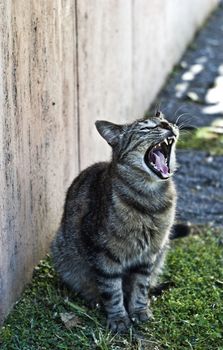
{"x": 202, "y": 139}
{"x": 188, "y": 316}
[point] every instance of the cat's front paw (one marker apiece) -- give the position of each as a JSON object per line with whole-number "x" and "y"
{"x": 119, "y": 324}
{"x": 141, "y": 315}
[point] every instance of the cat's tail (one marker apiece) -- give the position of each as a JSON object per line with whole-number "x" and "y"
{"x": 180, "y": 230}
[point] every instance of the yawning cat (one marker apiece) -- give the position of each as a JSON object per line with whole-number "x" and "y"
{"x": 117, "y": 219}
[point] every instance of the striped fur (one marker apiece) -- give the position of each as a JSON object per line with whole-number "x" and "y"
{"x": 117, "y": 219}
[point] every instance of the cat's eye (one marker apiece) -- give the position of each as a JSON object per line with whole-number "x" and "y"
{"x": 147, "y": 125}
{"x": 162, "y": 125}
{"x": 148, "y": 128}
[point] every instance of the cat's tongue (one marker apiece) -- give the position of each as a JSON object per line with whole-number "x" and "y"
{"x": 160, "y": 163}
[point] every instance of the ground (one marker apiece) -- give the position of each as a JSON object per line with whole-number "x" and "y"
{"x": 189, "y": 315}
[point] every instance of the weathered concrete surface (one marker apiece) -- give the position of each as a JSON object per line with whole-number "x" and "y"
{"x": 38, "y": 133}
{"x": 104, "y": 70}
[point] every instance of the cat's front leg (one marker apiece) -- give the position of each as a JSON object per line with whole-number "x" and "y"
{"x": 137, "y": 299}
{"x": 110, "y": 289}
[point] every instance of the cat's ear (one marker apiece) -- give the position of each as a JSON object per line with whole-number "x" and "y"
{"x": 109, "y": 131}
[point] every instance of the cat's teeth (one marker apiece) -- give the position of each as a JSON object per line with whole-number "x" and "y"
{"x": 154, "y": 165}
{"x": 166, "y": 142}
{"x": 171, "y": 140}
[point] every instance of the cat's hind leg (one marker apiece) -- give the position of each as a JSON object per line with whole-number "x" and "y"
{"x": 74, "y": 270}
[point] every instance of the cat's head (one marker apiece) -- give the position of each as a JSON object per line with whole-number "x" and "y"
{"x": 146, "y": 144}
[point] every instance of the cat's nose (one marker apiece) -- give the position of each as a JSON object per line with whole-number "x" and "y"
{"x": 170, "y": 127}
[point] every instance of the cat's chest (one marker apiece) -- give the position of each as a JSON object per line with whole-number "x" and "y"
{"x": 136, "y": 254}
{"x": 142, "y": 230}
{"x": 139, "y": 242}
{"x": 146, "y": 239}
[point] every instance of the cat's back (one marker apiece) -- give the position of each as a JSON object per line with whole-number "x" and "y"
{"x": 81, "y": 208}
{"x": 85, "y": 199}
{"x": 89, "y": 180}
{"x": 85, "y": 190}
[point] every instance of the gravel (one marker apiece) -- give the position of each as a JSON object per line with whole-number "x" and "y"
{"x": 200, "y": 188}
{"x": 196, "y": 87}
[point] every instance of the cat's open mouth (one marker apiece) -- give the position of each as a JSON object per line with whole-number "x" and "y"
{"x": 157, "y": 158}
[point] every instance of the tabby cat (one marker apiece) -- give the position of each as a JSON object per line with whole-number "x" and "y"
{"x": 117, "y": 218}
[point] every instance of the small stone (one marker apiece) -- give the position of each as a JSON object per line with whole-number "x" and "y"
{"x": 193, "y": 96}
{"x": 183, "y": 64}
{"x": 209, "y": 159}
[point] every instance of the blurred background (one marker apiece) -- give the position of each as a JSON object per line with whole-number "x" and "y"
{"x": 65, "y": 64}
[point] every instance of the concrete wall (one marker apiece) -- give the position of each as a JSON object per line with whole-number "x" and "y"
{"x": 38, "y": 132}
{"x": 64, "y": 64}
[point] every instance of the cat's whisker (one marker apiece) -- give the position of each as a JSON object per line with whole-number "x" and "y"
{"x": 185, "y": 132}
{"x": 181, "y": 115}
{"x": 164, "y": 109}
{"x": 187, "y": 125}
{"x": 178, "y": 109}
